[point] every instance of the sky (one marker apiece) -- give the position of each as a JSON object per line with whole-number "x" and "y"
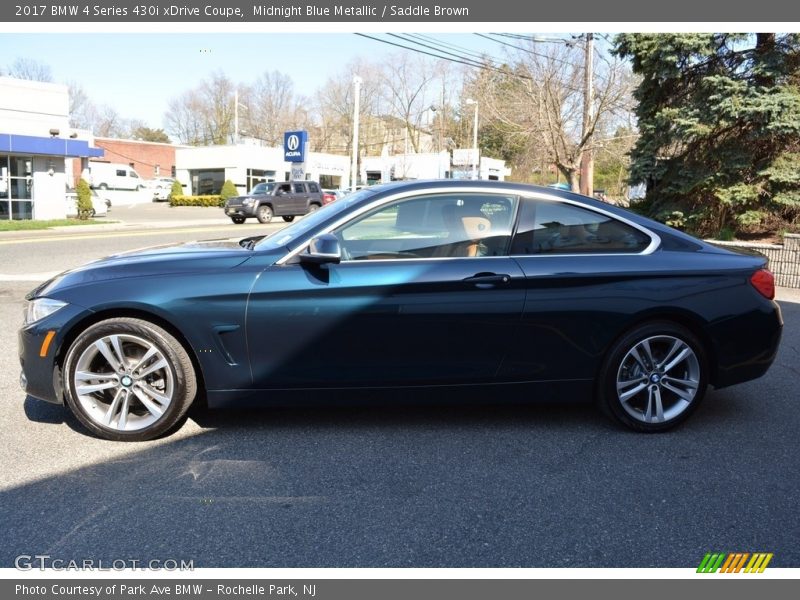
{"x": 138, "y": 74}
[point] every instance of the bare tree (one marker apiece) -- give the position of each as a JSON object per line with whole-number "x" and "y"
{"x": 538, "y": 103}
{"x": 272, "y": 108}
{"x": 204, "y": 115}
{"x": 334, "y": 109}
{"x": 407, "y": 84}
{"x": 28, "y": 68}
{"x": 82, "y": 111}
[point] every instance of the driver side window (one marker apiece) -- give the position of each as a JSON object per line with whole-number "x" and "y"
{"x": 435, "y": 226}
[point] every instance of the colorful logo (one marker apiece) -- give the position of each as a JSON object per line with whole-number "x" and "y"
{"x": 734, "y": 562}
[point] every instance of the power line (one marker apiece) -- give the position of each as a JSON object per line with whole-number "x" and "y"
{"x": 461, "y": 60}
{"x": 539, "y": 54}
{"x": 448, "y": 45}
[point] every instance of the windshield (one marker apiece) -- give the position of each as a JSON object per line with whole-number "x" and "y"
{"x": 263, "y": 188}
{"x": 287, "y": 236}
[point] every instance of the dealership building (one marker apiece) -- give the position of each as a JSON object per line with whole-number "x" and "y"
{"x": 204, "y": 169}
{"x": 42, "y": 158}
{"x": 35, "y": 141}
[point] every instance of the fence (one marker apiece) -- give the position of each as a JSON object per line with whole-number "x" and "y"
{"x": 784, "y": 259}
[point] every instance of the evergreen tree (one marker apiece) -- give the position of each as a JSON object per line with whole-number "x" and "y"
{"x": 719, "y": 118}
{"x": 228, "y": 190}
{"x": 84, "y": 200}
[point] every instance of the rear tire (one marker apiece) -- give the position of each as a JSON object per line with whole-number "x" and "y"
{"x": 312, "y": 207}
{"x": 237, "y": 220}
{"x": 288, "y": 218}
{"x": 128, "y": 379}
{"x": 654, "y": 377}
{"x": 264, "y": 214}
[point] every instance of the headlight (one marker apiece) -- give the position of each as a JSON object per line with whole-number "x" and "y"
{"x": 40, "y": 308}
{"x": 248, "y": 201}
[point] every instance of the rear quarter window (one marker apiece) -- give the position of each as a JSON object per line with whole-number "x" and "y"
{"x": 552, "y": 227}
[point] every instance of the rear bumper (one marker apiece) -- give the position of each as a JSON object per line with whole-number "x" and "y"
{"x": 746, "y": 345}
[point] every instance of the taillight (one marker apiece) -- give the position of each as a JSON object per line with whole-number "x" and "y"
{"x": 764, "y": 282}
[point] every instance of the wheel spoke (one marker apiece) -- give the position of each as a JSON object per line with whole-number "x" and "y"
{"x": 645, "y": 345}
{"x": 676, "y": 345}
{"x": 689, "y": 383}
{"x": 675, "y": 361}
{"x": 108, "y": 354}
{"x": 654, "y": 402}
{"x": 151, "y": 406}
{"x": 123, "y": 413}
{"x": 117, "y": 349}
{"x": 112, "y": 410}
{"x": 147, "y": 356}
{"x": 90, "y": 388}
{"x": 625, "y": 396}
{"x": 155, "y": 394}
{"x": 686, "y": 395}
{"x": 89, "y": 376}
{"x": 637, "y": 357}
{"x": 159, "y": 364}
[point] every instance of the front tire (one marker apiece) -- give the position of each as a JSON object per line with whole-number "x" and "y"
{"x": 237, "y": 220}
{"x": 288, "y": 218}
{"x": 654, "y": 377}
{"x": 264, "y": 214}
{"x": 312, "y": 207}
{"x": 128, "y": 379}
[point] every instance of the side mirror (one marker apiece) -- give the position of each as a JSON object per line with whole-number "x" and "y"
{"x": 324, "y": 249}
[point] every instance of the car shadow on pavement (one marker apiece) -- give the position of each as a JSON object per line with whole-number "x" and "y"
{"x": 438, "y": 485}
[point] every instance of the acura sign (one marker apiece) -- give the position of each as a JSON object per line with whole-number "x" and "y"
{"x": 294, "y": 146}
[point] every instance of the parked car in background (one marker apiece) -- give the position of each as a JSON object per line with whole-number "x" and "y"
{"x": 161, "y": 186}
{"x": 451, "y": 285}
{"x": 114, "y": 176}
{"x": 100, "y": 206}
{"x": 287, "y": 199}
{"x": 330, "y": 195}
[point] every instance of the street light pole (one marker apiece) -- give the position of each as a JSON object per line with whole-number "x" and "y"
{"x": 587, "y": 162}
{"x": 354, "y": 166}
{"x": 474, "y": 139}
{"x": 236, "y": 117}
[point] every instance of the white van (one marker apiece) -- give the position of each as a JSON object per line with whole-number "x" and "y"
{"x": 114, "y": 176}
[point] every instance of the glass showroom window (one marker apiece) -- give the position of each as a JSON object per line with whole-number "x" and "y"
{"x": 16, "y": 181}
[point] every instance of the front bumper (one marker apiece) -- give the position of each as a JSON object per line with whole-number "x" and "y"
{"x": 240, "y": 211}
{"x": 41, "y": 375}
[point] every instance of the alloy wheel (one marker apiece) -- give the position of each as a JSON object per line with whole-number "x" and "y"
{"x": 123, "y": 382}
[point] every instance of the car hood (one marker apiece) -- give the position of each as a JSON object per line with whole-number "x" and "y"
{"x": 206, "y": 256}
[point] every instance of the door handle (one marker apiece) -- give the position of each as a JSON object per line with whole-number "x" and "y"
{"x": 485, "y": 281}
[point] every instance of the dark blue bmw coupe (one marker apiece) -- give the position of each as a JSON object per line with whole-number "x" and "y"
{"x": 445, "y": 283}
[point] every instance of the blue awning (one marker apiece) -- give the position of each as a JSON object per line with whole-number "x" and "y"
{"x": 47, "y": 146}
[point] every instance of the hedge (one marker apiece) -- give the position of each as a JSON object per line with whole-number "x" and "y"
{"x": 197, "y": 201}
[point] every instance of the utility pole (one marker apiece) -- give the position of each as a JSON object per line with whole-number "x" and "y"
{"x": 356, "y": 109}
{"x": 587, "y": 161}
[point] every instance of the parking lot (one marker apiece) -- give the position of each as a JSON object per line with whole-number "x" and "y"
{"x": 389, "y": 485}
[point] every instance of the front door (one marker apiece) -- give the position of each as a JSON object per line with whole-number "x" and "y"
{"x": 414, "y": 302}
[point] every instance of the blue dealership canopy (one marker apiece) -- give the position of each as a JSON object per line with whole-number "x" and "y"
{"x": 47, "y": 146}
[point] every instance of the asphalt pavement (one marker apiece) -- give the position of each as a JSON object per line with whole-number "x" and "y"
{"x": 385, "y": 485}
